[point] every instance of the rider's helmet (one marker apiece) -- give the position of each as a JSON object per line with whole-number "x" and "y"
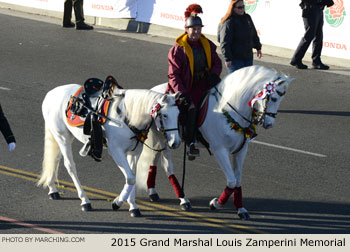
{"x": 191, "y": 15}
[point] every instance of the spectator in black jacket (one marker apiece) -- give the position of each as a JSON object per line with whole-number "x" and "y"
{"x": 6, "y": 131}
{"x": 237, "y": 36}
{"x": 312, "y": 13}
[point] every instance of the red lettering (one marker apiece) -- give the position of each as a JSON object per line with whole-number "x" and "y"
{"x": 335, "y": 45}
{"x": 172, "y": 17}
{"x": 102, "y": 7}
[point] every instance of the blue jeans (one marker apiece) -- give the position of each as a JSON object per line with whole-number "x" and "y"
{"x": 237, "y": 64}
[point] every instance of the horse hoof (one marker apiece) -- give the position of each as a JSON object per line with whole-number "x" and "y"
{"x": 186, "y": 206}
{"x": 115, "y": 207}
{"x": 54, "y": 196}
{"x": 135, "y": 213}
{"x": 244, "y": 216}
{"x": 86, "y": 207}
{"x": 213, "y": 203}
{"x": 154, "y": 197}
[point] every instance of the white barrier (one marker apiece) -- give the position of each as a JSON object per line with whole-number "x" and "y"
{"x": 278, "y": 22}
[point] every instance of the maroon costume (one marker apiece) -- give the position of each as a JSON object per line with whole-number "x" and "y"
{"x": 181, "y": 67}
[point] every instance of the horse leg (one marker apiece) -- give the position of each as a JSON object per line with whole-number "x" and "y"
{"x": 50, "y": 164}
{"x": 151, "y": 184}
{"x": 64, "y": 143}
{"x": 238, "y": 161}
{"x": 130, "y": 178}
{"x": 185, "y": 204}
{"x": 223, "y": 158}
{"x": 132, "y": 160}
{"x": 53, "y": 192}
{"x": 151, "y": 178}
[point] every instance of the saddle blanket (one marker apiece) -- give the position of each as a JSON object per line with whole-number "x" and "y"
{"x": 76, "y": 120}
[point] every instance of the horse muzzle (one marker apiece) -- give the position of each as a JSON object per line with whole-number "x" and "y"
{"x": 174, "y": 140}
{"x": 268, "y": 121}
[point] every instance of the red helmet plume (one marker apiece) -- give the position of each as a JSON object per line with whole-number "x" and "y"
{"x": 193, "y": 9}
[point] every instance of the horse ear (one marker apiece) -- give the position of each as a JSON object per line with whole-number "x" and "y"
{"x": 283, "y": 81}
{"x": 177, "y": 95}
{"x": 164, "y": 98}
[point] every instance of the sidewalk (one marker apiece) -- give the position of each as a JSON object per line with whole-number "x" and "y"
{"x": 157, "y": 30}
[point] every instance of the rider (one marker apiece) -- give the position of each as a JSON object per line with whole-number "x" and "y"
{"x": 6, "y": 131}
{"x": 194, "y": 68}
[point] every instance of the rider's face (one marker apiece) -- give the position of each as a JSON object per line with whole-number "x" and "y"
{"x": 194, "y": 32}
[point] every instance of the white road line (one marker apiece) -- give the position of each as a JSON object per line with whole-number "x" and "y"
{"x": 290, "y": 149}
{"x": 4, "y": 88}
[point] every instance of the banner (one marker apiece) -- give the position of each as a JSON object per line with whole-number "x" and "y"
{"x": 279, "y": 23}
{"x": 97, "y": 8}
{"x": 171, "y": 13}
{"x": 111, "y": 8}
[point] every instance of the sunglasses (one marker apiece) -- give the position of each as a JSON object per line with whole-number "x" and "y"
{"x": 240, "y": 7}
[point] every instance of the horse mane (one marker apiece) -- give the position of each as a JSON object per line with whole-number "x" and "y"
{"x": 138, "y": 104}
{"x": 242, "y": 85}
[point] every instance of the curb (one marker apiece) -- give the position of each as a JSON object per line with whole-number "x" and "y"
{"x": 131, "y": 25}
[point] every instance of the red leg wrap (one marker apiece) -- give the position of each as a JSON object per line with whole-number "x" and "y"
{"x": 176, "y": 186}
{"x": 151, "y": 179}
{"x": 225, "y": 195}
{"x": 237, "y": 197}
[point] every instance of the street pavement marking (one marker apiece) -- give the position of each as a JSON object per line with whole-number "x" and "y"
{"x": 25, "y": 224}
{"x": 4, "y": 88}
{"x": 290, "y": 149}
{"x": 144, "y": 205}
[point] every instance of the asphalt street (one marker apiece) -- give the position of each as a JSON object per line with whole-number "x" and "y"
{"x": 295, "y": 178}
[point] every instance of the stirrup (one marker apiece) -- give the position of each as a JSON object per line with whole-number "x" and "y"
{"x": 193, "y": 152}
{"x": 84, "y": 151}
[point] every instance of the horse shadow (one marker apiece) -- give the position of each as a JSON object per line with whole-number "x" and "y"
{"x": 285, "y": 216}
{"x": 267, "y": 216}
{"x": 315, "y": 112}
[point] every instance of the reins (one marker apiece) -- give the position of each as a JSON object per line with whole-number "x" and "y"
{"x": 141, "y": 135}
{"x": 233, "y": 108}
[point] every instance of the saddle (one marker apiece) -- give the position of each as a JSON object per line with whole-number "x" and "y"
{"x": 89, "y": 108}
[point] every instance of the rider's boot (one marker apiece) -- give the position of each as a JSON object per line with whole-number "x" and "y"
{"x": 96, "y": 139}
{"x": 193, "y": 151}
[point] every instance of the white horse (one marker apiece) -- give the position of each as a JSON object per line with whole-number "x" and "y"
{"x": 243, "y": 99}
{"x": 137, "y": 109}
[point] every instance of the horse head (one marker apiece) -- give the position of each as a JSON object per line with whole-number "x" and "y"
{"x": 269, "y": 99}
{"x": 165, "y": 114}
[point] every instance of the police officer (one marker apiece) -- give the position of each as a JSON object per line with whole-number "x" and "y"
{"x": 312, "y": 13}
{"x": 194, "y": 68}
{"x": 6, "y": 131}
{"x": 79, "y": 15}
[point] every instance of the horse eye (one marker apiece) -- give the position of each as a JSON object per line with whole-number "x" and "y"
{"x": 165, "y": 116}
{"x": 273, "y": 99}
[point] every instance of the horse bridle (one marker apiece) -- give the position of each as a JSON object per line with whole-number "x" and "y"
{"x": 162, "y": 129}
{"x": 267, "y": 99}
{"x": 260, "y": 115}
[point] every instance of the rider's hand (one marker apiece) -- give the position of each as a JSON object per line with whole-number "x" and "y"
{"x": 213, "y": 79}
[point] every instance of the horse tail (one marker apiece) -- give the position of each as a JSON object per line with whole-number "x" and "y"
{"x": 51, "y": 159}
